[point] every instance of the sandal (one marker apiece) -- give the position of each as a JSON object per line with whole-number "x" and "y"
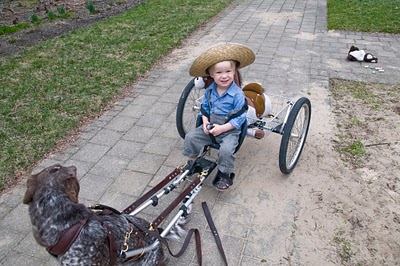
{"x": 223, "y": 181}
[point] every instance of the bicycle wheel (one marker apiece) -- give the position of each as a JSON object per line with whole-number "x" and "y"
{"x": 188, "y": 108}
{"x": 294, "y": 135}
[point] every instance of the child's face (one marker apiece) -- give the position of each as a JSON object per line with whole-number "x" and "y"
{"x": 223, "y": 73}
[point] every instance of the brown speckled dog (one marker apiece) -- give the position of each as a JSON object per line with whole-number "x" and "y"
{"x": 52, "y": 196}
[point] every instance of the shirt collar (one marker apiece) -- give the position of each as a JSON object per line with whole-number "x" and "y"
{"x": 213, "y": 87}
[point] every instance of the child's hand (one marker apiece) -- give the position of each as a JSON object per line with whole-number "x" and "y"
{"x": 219, "y": 129}
{"x": 216, "y": 130}
{"x": 206, "y": 122}
{"x": 206, "y": 127}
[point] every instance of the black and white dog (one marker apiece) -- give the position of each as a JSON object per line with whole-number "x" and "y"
{"x": 77, "y": 235}
{"x": 356, "y": 54}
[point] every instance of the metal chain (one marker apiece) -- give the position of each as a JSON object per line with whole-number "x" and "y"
{"x": 125, "y": 246}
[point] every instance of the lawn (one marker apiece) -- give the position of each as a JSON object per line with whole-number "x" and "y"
{"x": 48, "y": 90}
{"x": 364, "y": 15}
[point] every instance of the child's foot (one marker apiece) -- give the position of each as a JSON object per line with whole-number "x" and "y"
{"x": 223, "y": 181}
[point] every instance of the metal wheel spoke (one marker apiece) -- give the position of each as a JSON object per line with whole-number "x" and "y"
{"x": 294, "y": 140}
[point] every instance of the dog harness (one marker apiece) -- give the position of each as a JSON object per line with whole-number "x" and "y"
{"x": 69, "y": 236}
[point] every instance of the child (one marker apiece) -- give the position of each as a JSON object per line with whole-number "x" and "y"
{"x": 223, "y": 108}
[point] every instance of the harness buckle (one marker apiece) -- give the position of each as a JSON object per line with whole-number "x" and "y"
{"x": 203, "y": 173}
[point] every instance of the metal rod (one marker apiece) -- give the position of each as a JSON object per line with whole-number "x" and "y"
{"x": 290, "y": 105}
{"x": 193, "y": 193}
{"x": 175, "y": 184}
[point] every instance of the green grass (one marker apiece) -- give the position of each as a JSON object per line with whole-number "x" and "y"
{"x": 364, "y": 15}
{"x": 36, "y": 20}
{"x": 47, "y": 90}
{"x": 355, "y": 148}
{"x": 90, "y": 7}
{"x": 343, "y": 246}
{"x": 4, "y": 29}
{"x": 60, "y": 14}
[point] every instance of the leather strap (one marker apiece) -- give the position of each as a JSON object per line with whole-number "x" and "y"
{"x": 152, "y": 191}
{"x": 175, "y": 203}
{"x": 195, "y": 231}
{"x": 214, "y": 231}
{"x": 67, "y": 238}
{"x": 112, "y": 246}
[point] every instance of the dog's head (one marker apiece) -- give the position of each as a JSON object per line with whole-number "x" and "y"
{"x": 353, "y": 48}
{"x": 57, "y": 177}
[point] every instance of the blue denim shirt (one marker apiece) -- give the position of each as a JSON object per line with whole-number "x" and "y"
{"x": 231, "y": 100}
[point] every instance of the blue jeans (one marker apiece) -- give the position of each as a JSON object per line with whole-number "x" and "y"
{"x": 196, "y": 139}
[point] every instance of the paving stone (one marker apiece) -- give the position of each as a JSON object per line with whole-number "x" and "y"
{"x": 131, "y": 183}
{"x": 22, "y": 259}
{"x": 9, "y": 240}
{"x": 109, "y": 166}
{"x": 106, "y": 137}
{"x": 140, "y": 133}
{"x": 151, "y": 120}
{"x": 12, "y": 198}
{"x": 146, "y": 163}
{"x": 133, "y": 110}
{"x": 121, "y": 123}
{"x": 29, "y": 247}
{"x": 92, "y": 187}
{"x": 90, "y": 152}
{"x": 125, "y": 150}
{"x": 160, "y": 145}
{"x": 17, "y": 220}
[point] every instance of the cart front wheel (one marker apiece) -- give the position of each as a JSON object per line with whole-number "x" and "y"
{"x": 294, "y": 135}
{"x": 188, "y": 108}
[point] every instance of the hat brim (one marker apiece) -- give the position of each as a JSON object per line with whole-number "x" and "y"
{"x": 222, "y": 52}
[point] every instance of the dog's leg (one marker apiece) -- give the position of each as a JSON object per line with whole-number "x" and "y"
{"x": 178, "y": 229}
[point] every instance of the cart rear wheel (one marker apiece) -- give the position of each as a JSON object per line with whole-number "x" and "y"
{"x": 188, "y": 108}
{"x": 294, "y": 135}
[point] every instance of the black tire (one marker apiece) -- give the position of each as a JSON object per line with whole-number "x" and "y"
{"x": 188, "y": 108}
{"x": 294, "y": 135}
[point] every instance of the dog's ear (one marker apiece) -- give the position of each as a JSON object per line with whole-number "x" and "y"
{"x": 72, "y": 189}
{"x": 353, "y": 48}
{"x": 31, "y": 189}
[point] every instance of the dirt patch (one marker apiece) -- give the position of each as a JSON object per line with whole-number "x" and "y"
{"x": 21, "y": 11}
{"x": 368, "y": 121}
{"x": 367, "y": 198}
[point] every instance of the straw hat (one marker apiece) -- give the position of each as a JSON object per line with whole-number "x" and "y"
{"x": 219, "y": 53}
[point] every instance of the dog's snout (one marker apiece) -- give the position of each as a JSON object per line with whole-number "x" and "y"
{"x": 72, "y": 170}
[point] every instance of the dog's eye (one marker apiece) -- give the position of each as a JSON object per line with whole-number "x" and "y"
{"x": 54, "y": 169}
